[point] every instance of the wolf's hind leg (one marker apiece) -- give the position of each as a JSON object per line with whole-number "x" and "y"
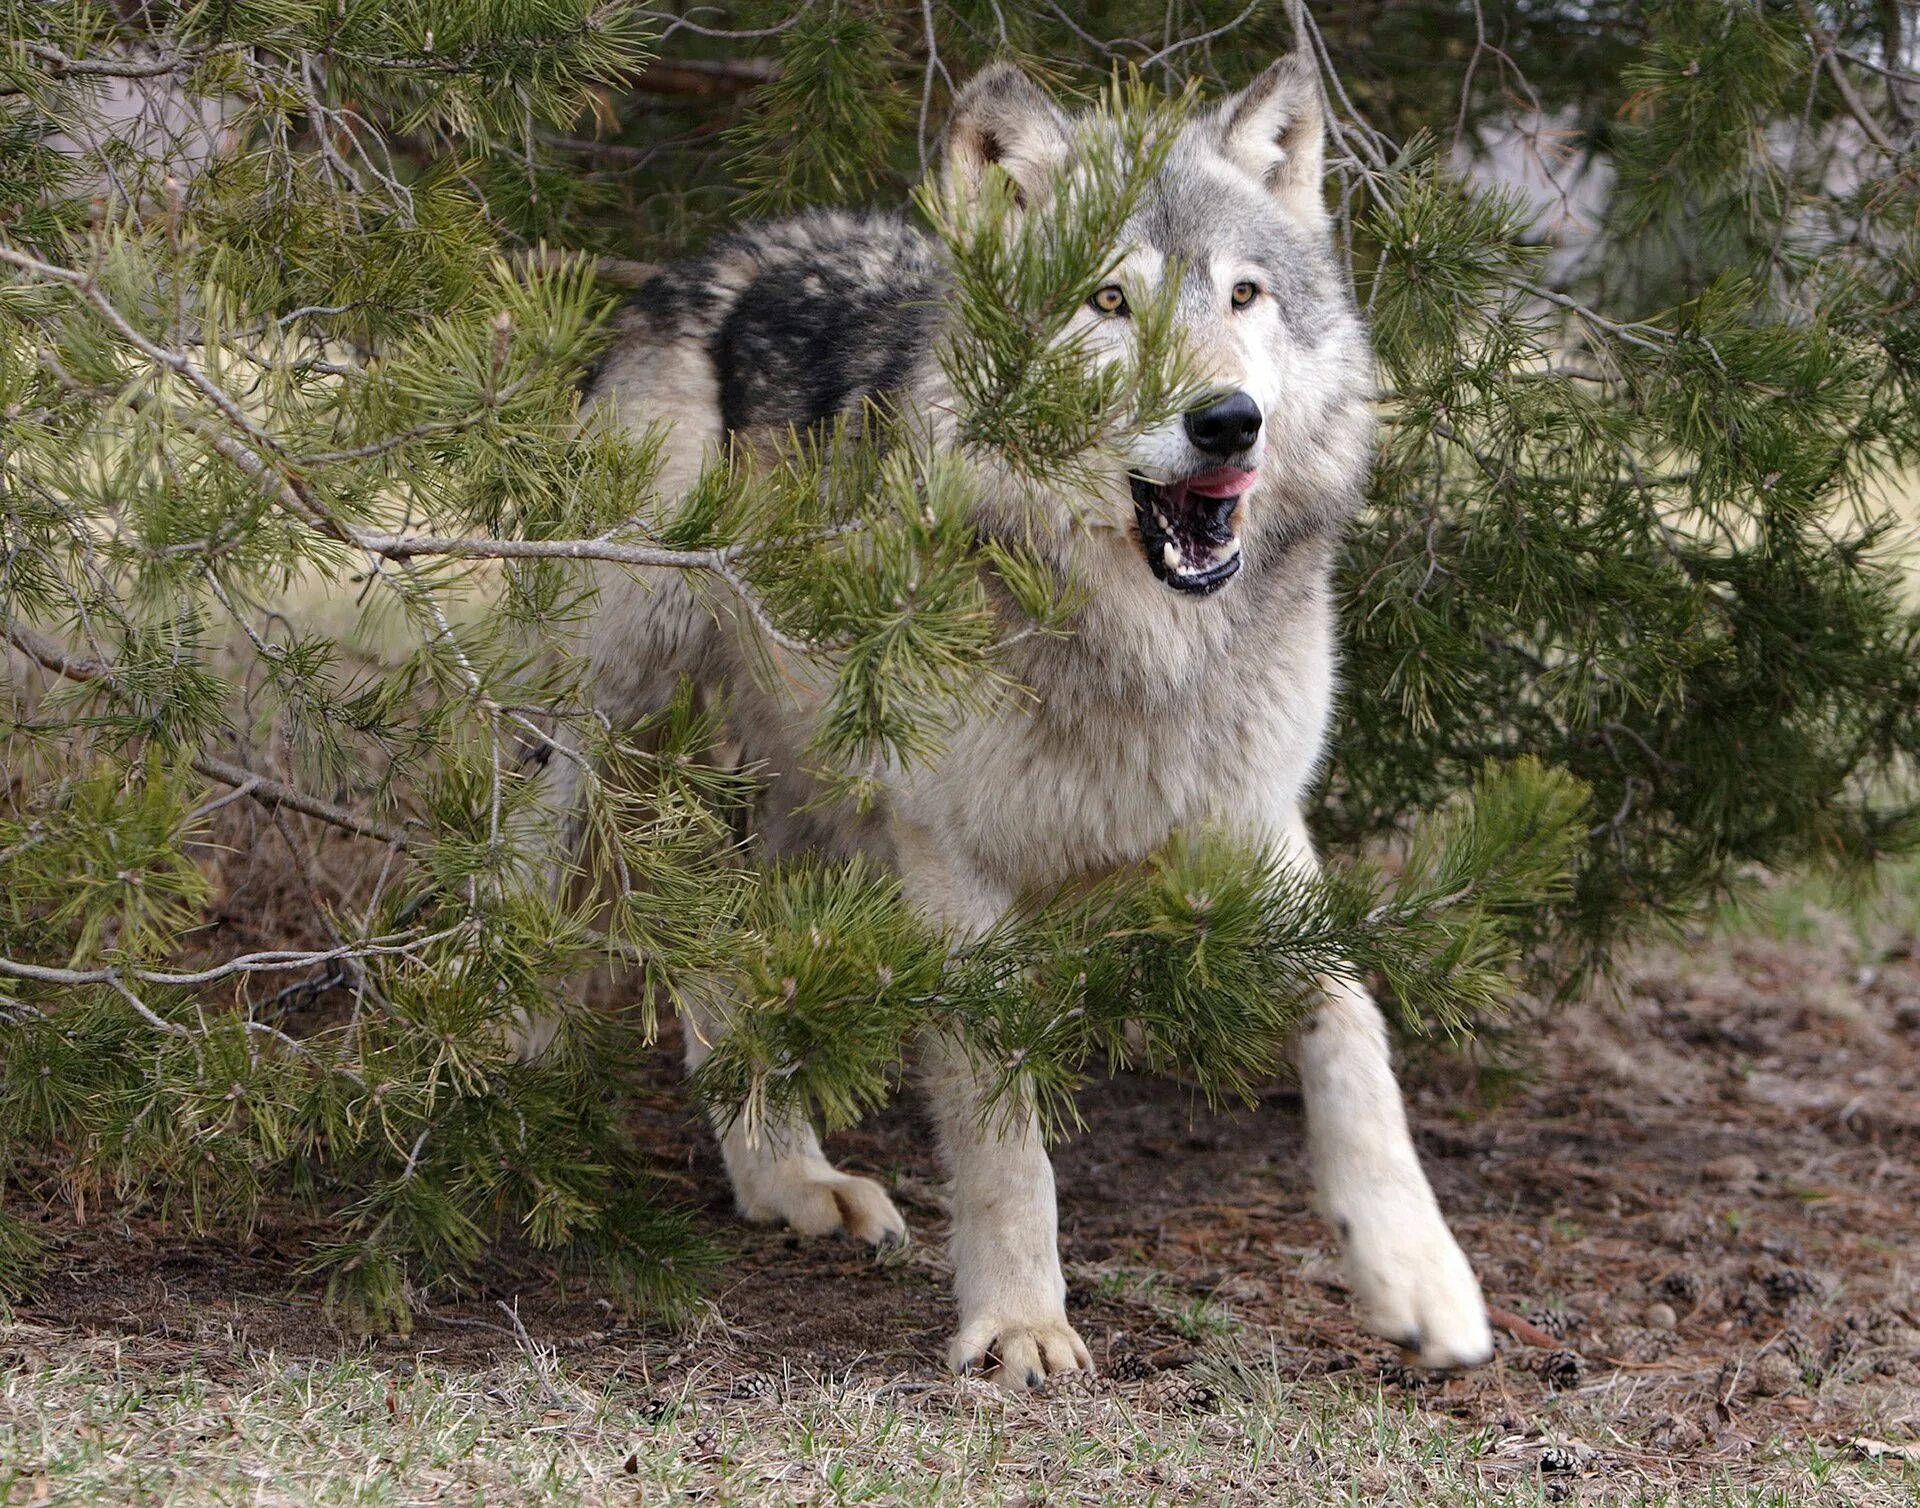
{"x": 562, "y": 775}
{"x": 780, "y": 1175}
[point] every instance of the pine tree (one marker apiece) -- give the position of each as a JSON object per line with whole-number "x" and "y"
{"x": 285, "y": 314}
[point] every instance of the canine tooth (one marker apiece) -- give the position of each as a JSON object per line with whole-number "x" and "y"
{"x": 1170, "y": 555}
{"x": 1161, "y": 519}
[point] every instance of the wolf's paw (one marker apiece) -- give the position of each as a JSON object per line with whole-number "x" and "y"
{"x": 820, "y": 1201}
{"x": 1412, "y": 1284}
{"x": 1018, "y": 1353}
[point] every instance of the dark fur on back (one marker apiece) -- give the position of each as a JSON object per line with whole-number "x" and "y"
{"x": 803, "y": 319}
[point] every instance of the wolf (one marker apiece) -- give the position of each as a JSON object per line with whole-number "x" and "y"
{"x": 1194, "y": 687}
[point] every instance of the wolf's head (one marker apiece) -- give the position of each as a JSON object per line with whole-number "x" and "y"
{"x": 1233, "y": 228}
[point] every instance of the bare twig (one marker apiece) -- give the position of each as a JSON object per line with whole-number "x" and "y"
{"x": 1829, "y": 59}
{"x": 616, "y": 270}
{"x": 273, "y": 961}
{"x": 124, "y": 67}
{"x": 702, "y": 77}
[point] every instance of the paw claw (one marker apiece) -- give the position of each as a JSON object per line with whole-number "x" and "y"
{"x": 1020, "y": 1354}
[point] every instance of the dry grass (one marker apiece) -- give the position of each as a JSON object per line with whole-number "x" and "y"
{"x": 94, "y": 1423}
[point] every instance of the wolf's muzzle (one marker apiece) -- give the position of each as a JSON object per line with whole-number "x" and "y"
{"x": 1189, "y": 526}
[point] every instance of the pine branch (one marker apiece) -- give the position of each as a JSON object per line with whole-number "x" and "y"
{"x": 619, "y": 271}
{"x": 268, "y": 792}
{"x": 61, "y": 63}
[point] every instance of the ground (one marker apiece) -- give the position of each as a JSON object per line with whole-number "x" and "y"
{"x": 1697, "y": 1216}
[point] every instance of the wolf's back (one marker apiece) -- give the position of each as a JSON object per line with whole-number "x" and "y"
{"x": 800, "y": 319}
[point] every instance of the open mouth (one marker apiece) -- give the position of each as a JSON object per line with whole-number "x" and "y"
{"x": 1189, "y": 526}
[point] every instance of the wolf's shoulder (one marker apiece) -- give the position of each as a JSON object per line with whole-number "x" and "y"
{"x": 802, "y": 318}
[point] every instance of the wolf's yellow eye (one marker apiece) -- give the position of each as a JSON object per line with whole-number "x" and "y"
{"x": 1110, "y": 300}
{"x": 1244, "y": 294}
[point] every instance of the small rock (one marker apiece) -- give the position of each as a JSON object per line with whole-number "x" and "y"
{"x": 1736, "y": 1167}
{"x": 1661, "y": 1316}
{"x": 1772, "y": 1373}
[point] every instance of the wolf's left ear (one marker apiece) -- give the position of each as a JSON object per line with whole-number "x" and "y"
{"x": 1003, "y": 119}
{"x": 1273, "y": 128}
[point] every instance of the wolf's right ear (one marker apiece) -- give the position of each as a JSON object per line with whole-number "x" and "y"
{"x": 1002, "y": 118}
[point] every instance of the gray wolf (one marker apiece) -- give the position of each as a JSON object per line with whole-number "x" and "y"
{"x": 1194, "y": 688}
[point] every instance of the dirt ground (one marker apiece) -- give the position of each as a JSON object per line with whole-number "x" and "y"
{"x": 1699, "y": 1218}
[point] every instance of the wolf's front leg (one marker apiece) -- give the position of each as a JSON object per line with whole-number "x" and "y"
{"x": 1409, "y": 1276}
{"x": 1006, "y": 1239}
{"x": 1006, "y": 1229}
{"x": 780, "y": 1175}
{"x": 1410, "y": 1280}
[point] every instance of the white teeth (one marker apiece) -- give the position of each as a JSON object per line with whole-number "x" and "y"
{"x": 1161, "y": 519}
{"x": 1170, "y": 555}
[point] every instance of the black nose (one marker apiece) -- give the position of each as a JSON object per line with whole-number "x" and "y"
{"x": 1222, "y": 428}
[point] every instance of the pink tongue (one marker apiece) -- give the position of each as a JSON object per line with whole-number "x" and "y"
{"x": 1222, "y": 481}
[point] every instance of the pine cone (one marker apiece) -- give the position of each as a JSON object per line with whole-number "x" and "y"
{"x": 1773, "y": 1373}
{"x": 1560, "y": 1370}
{"x": 1681, "y": 1288}
{"x": 1640, "y": 1343}
{"x": 1129, "y": 1366}
{"x": 1553, "y": 1321}
{"x": 1785, "y": 1284}
{"x": 1175, "y": 1392}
